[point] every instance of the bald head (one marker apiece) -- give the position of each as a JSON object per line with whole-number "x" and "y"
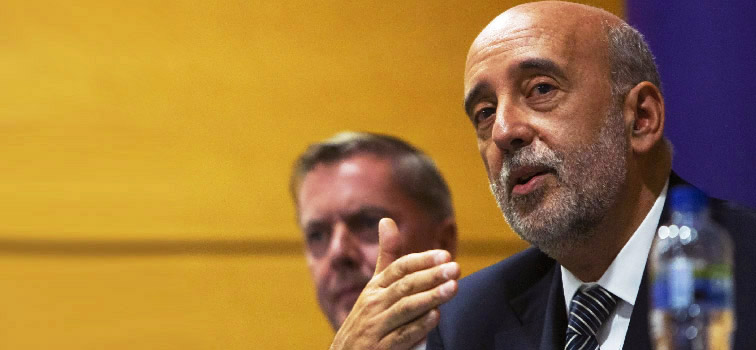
{"x": 576, "y": 26}
{"x": 619, "y": 47}
{"x": 568, "y": 16}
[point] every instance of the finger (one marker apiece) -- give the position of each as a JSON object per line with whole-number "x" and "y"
{"x": 413, "y": 306}
{"x": 414, "y": 283}
{"x": 389, "y": 244}
{"x": 408, "y": 335}
{"x": 411, "y": 263}
{"x": 421, "y": 281}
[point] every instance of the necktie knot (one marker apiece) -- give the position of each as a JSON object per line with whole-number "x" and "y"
{"x": 589, "y": 309}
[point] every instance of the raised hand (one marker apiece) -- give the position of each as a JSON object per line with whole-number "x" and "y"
{"x": 399, "y": 305}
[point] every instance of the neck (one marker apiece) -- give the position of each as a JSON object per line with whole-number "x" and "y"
{"x": 589, "y": 260}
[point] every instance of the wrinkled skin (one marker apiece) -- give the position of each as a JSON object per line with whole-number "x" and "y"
{"x": 567, "y": 160}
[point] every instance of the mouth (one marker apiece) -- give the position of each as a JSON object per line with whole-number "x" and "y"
{"x": 525, "y": 180}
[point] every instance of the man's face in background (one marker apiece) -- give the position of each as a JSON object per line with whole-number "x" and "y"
{"x": 339, "y": 206}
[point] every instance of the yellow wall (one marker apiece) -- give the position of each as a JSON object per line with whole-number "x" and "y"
{"x": 146, "y": 148}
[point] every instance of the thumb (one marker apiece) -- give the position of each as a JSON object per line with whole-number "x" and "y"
{"x": 388, "y": 244}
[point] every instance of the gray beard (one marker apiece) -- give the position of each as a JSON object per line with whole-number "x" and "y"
{"x": 558, "y": 219}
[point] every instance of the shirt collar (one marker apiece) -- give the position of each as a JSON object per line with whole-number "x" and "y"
{"x": 623, "y": 277}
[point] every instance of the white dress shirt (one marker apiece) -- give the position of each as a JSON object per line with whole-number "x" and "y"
{"x": 622, "y": 278}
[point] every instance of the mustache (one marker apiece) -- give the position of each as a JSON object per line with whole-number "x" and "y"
{"x": 533, "y": 155}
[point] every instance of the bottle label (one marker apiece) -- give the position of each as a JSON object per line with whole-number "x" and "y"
{"x": 681, "y": 285}
{"x": 681, "y": 282}
{"x": 714, "y": 286}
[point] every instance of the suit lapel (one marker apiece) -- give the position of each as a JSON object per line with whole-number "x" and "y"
{"x": 540, "y": 309}
{"x": 555, "y": 323}
{"x": 637, "y": 337}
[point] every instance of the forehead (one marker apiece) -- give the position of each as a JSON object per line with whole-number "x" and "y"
{"x": 575, "y": 43}
{"x": 347, "y": 185}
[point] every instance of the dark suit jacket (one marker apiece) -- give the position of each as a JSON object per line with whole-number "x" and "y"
{"x": 518, "y": 303}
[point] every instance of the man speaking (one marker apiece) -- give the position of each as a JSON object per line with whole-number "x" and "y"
{"x": 565, "y": 101}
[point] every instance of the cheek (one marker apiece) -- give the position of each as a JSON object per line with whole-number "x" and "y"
{"x": 318, "y": 270}
{"x": 370, "y": 252}
{"x": 491, "y": 160}
{"x": 420, "y": 235}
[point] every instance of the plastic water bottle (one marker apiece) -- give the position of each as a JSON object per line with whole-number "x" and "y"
{"x": 691, "y": 265}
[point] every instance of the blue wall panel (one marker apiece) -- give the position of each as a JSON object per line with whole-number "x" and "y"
{"x": 706, "y": 52}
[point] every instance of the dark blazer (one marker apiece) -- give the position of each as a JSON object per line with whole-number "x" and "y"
{"x": 518, "y": 303}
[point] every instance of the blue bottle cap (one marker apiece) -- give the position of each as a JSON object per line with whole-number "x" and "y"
{"x": 687, "y": 198}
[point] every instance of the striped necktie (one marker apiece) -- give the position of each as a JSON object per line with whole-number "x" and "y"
{"x": 588, "y": 311}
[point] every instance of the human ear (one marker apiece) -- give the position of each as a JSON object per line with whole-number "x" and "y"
{"x": 644, "y": 108}
{"x": 446, "y": 236}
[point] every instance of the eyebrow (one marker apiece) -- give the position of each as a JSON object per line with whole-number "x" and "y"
{"x": 540, "y": 64}
{"x": 314, "y": 225}
{"x": 474, "y": 95}
{"x": 544, "y": 65}
{"x": 365, "y": 210}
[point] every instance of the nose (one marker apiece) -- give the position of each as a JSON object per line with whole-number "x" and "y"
{"x": 512, "y": 129}
{"x": 343, "y": 251}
